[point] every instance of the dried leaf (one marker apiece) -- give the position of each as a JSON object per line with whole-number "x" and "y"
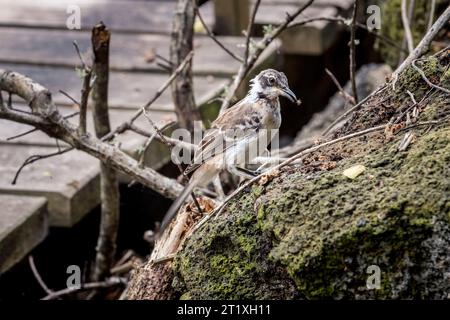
{"x": 150, "y": 55}
{"x": 265, "y": 178}
{"x": 354, "y": 171}
{"x": 47, "y": 174}
{"x": 198, "y": 26}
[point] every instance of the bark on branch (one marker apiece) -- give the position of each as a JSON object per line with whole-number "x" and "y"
{"x": 46, "y": 118}
{"x": 109, "y": 186}
{"x": 180, "y": 47}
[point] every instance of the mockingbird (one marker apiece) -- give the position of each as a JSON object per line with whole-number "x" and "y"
{"x": 238, "y": 135}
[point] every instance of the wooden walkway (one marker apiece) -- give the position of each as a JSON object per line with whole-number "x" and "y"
{"x": 35, "y": 41}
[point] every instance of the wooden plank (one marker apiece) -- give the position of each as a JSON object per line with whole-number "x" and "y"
{"x": 231, "y": 16}
{"x": 311, "y": 39}
{"x": 70, "y": 181}
{"x": 123, "y": 16}
{"x": 129, "y": 52}
{"x": 23, "y": 225}
{"x": 127, "y": 89}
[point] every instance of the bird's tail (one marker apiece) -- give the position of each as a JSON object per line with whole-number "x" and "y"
{"x": 173, "y": 210}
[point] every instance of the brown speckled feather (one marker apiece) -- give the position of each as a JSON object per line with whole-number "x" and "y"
{"x": 241, "y": 121}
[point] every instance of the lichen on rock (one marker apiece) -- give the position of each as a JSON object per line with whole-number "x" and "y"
{"x": 312, "y": 233}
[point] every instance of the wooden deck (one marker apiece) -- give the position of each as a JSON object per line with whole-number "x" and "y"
{"x": 35, "y": 41}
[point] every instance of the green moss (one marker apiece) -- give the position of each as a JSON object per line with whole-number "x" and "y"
{"x": 313, "y": 234}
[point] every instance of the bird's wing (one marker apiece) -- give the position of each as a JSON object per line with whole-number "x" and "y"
{"x": 236, "y": 124}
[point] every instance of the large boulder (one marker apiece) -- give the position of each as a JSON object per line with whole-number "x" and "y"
{"x": 312, "y": 232}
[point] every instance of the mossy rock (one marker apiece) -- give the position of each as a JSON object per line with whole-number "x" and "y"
{"x": 312, "y": 233}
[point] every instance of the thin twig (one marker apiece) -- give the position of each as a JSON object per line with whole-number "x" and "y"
{"x": 127, "y": 124}
{"x": 80, "y": 56}
{"x": 344, "y": 94}
{"x": 169, "y": 257}
{"x": 85, "y": 90}
{"x": 353, "y": 109}
{"x": 406, "y": 26}
{"x": 165, "y": 60}
{"x": 110, "y": 282}
{"x": 35, "y": 158}
{"x": 431, "y": 17}
{"x": 34, "y": 129}
{"x": 174, "y": 142}
{"x": 212, "y": 36}
{"x": 164, "y": 66}
{"x": 149, "y": 141}
{"x": 2, "y": 106}
{"x": 70, "y": 97}
{"x": 353, "y": 52}
{"x": 38, "y": 276}
{"x": 9, "y": 104}
{"x": 249, "y": 31}
{"x": 424, "y": 77}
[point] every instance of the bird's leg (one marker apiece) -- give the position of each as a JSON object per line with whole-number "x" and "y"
{"x": 242, "y": 172}
{"x": 263, "y": 167}
{"x": 218, "y": 188}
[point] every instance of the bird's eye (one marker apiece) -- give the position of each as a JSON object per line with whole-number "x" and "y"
{"x": 271, "y": 80}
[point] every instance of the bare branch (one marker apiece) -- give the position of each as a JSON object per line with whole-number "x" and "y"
{"x": 406, "y": 26}
{"x": 157, "y": 131}
{"x": 127, "y": 124}
{"x": 2, "y": 105}
{"x": 353, "y": 109}
{"x": 37, "y": 157}
{"x": 47, "y": 119}
{"x": 70, "y": 97}
{"x": 181, "y": 45}
{"x": 352, "y": 51}
{"x": 212, "y": 36}
{"x": 110, "y": 282}
{"x": 109, "y": 186}
{"x": 431, "y": 17}
{"x": 34, "y": 130}
{"x": 38, "y": 276}
{"x": 174, "y": 142}
{"x": 344, "y": 94}
{"x": 250, "y": 27}
{"x": 86, "y": 73}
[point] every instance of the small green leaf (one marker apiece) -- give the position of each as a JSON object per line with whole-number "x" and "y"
{"x": 80, "y": 72}
{"x": 267, "y": 29}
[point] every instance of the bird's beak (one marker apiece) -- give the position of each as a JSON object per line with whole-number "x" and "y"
{"x": 289, "y": 94}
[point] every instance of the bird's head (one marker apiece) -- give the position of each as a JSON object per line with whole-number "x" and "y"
{"x": 271, "y": 84}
